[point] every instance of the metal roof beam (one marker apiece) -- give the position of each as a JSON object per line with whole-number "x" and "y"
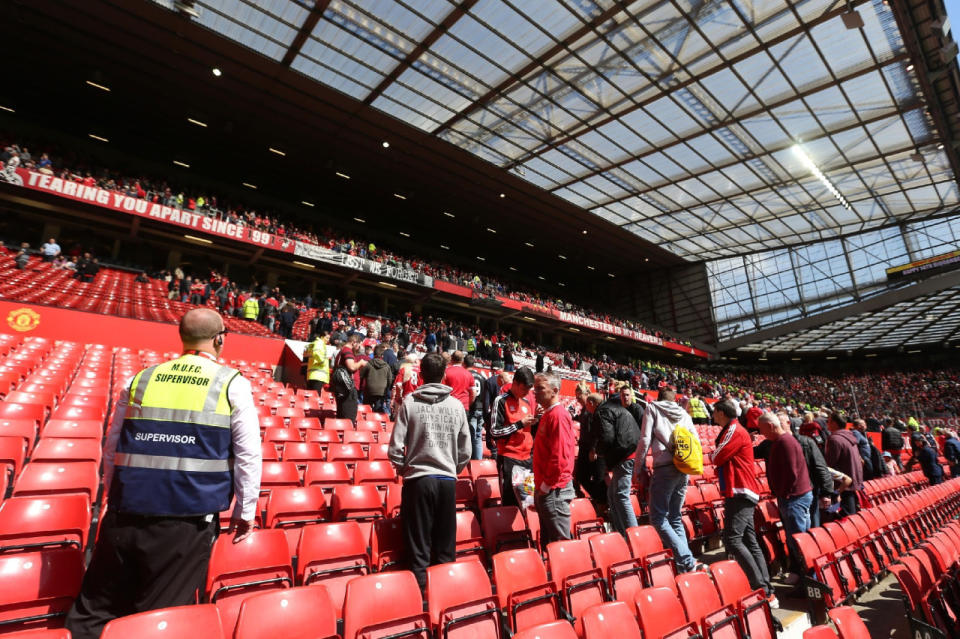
{"x": 309, "y": 24}
{"x": 418, "y": 51}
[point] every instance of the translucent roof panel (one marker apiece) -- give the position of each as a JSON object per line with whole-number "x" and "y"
{"x": 924, "y": 320}
{"x": 684, "y": 114}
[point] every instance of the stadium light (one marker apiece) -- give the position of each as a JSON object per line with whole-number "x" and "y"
{"x": 541, "y": 277}
{"x": 562, "y": 257}
{"x": 503, "y": 195}
{"x": 482, "y": 259}
{"x": 445, "y": 247}
{"x": 870, "y": 355}
{"x": 276, "y": 151}
{"x": 98, "y": 138}
{"x": 529, "y": 244}
{"x": 305, "y": 203}
{"x": 197, "y": 122}
{"x": 343, "y": 175}
{"x": 202, "y": 240}
{"x": 449, "y": 214}
{"x": 183, "y": 164}
{"x": 399, "y": 197}
{"x": 217, "y": 72}
{"x": 303, "y": 264}
{"x": 249, "y": 186}
{"x": 574, "y": 329}
{"x": 359, "y": 219}
{"x": 404, "y": 234}
{"x": 584, "y": 231}
{"x": 98, "y": 86}
{"x": 385, "y": 144}
{"x": 591, "y": 268}
{"x": 813, "y": 168}
{"x": 5, "y": 108}
{"x": 513, "y": 268}
{"x": 490, "y": 230}
{"x": 388, "y": 284}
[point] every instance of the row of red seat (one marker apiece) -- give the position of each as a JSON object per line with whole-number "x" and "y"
{"x": 929, "y": 578}
{"x": 848, "y": 557}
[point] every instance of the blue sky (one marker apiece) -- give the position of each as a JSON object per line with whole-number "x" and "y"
{"x": 953, "y": 11}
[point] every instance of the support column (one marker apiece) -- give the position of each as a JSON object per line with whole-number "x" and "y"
{"x": 174, "y": 257}
{"x": 115, "y": 252}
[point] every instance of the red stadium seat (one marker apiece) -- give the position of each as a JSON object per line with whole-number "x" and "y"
{"x": 281, "y": 435}
{"x": 379, "y": 473}
{"x": 79, "y": 413}
{"x": 623, "y": 573}
{"x": 503, "y": 529}
{"x": 37, "y": 588}
{"x": 259, "y": 563}
{"x": 356, "y": 502}
{"x": 387, "y": 548}
{"x": 56, "y": 450}
{"x": 350, "y": 453}
{"x": 702, "y": 604}
{"x": 658, "y": 565}
{"x": 752, "y": 605}
{"x": 661, "y": 615}
{"x": 72, "y": 429}
{"x": 819, "y": 632}
{"x": 583, "y": 519}
{"x": 551, "y": 630}
{"x": 384, "y": 605}
{"x": 12, "y": 454}
{"x": 580, "y": 584}
{"x": 201, "y": 620}
{"x": 848, "y": 622}
{"x": 331, "y": 555}
{"x": 57, "y": 633}
{"x": 461, "y": 602}
{"x": 34, "y": 413}
{"x": 23, "y": 429}
{"x": 35, "y": 522}
{"x": 524, "y": 593}
{"x": 292, "y": 508}
{"x": 302, "y": 452}
{"x": 469, "y": 536}
{"x": 294, "y": 613}
{"x": 611, "y": 619}
{"x": 38, "y": 478}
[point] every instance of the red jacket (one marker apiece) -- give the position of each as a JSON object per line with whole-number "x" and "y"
{"x": 554, "y": 448}
{"x": 733, "y": 458}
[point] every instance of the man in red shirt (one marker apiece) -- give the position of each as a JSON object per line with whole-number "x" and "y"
{"x": 554, "y": 454}
{"x": 512, "y": 417}
{"x": 460, "y": 380}
{"x": 733, "y": 457}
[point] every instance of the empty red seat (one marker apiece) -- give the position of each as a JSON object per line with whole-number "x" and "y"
{"x": 623, "y": 573}
{"x": 661, "y": 615}
{"x": 12, "y": 453}
{"x": 701, "y": 602}
{"x": 72, "y": 429}
{"x": 79, "y": 413}
{"x": 292, "y": 508}
{"x": 551, "y": 630}
{"x": 350, "y": 453}
{"x": 23, "y": 412}
{"x": 524, "y": 593}
{"x": 383, "y": 605}
{"x": 356, "y": 502}
{"x": 611, "y": 619}
{"x": 34, "y": 522}
{"x": 580, "y": 584}
{"x": 752, "y": 605}
{"x": 37, "y": 588}
{"x": 302, "y": 452}
{"x": 379, "y": 473}
{"x": 38, "y": 478}
{"x": 460, "y": 601}
{"x": 387, "y": 548}
{"x": 848, "y": 622}
{"x": 280, "y": 435}
{"x": 294, "y": 613}
{"x": 331, "y": 555}
{"x": 469, "y": 537}
{"x": 259, "y": 563}
{"x": 503, "y": 529}
{"x": 23, "y": 429}
{"x": 819, "y": 632}
{"x": 66, "y": 450}
{"x": 201, "y": 620}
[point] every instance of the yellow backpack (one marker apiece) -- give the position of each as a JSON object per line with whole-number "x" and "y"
{"x": 687, "y": 453}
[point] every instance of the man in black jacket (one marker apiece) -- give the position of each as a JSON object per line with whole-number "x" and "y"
{"x": 617, "y": 434}
{"x": 589, "y": 472}
{"x": 892, "y": 441}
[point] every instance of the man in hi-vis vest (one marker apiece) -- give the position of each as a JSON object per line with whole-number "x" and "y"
{"x": 185, "y": 439}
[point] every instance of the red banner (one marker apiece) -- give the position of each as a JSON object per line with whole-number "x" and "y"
{"x": 121, "y": 203}
{"x": 92, "y": 328}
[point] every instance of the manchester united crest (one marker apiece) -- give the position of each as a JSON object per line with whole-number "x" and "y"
{"x": 23, "y": 319}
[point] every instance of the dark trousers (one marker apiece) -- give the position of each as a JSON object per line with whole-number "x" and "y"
{"x": 347, "y": 406}
{"x": 848, "y": 502}
{"x": 508, "y": 496}
{"x": 740, "y": 540}
{"x": 377, "y": 403}
{"x": 588, "y": 476}
{"x": 139, "y": 564}
{"x": 428, "y": 509}
{"x": 315, "y": 385}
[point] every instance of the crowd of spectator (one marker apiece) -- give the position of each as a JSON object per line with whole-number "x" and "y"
{"x": 205, "y": 203}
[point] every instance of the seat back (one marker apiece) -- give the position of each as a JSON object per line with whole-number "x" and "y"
{"x": 659, "y": 612}
{"x": 611, "y": 619}
{"x": 332, "y": 554}
{"x": 387, "y": 548}
{"x": 643, "y": 541}
{"x": 623, "y": 573}
{"x": 583, "y": 518}
{"x": 848, "y": 622}
{"x": 503, "y": 528}
{"x": 819, "y": 632}
{"x": 34, "y": 522}
{"x": 38, "y": 587}
{"x": 258, "y": 563}
{"x": 523, "y": 590}
{"x": 356, "y": 502}
{"x": 549, "y": 630}
{"x": 200, "y": 620}
{"x": 384, "y": 604}
{"x": 731, "y": 582}
{"x": 292, "y": 508}
{"x": 698, "y": 595}
{"x": 294, "y": 613}
{"x": 458, "y": 596}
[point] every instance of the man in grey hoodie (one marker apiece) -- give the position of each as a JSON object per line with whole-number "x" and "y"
{"x": 668, "y": 486}
{"x": 430, "y": 445}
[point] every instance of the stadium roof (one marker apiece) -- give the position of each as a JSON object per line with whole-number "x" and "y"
{"x": 927, "y": 320}
{"x": 712, "y": 128}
